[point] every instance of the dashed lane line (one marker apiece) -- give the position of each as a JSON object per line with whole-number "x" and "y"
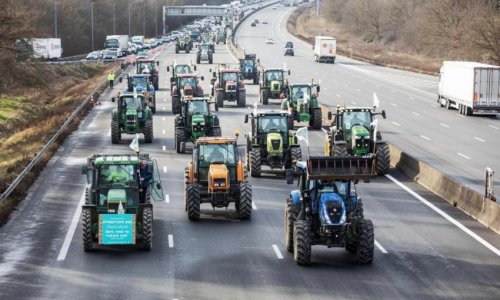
{"x": 397, "y": 124}
{"x": 170, "y": 241}
{"x": 444, "y": 125}
{"x": 425, "y": 138}
{"x": 463, "y": 155}
{"x": 254, "y": 207}
{"x": 277, "y": 251}
{"x": 164, "y": 169}
{"x": 480, "y": 139}
{"x": 382, "y": 249}
{"x": 167, "y": 198}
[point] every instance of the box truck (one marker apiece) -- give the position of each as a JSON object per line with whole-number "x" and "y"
{"x": 470, "y": 87}
{"x": 119, "y": 42}
{"x": 325, "y": 49}
{"x": 46, "y": 48}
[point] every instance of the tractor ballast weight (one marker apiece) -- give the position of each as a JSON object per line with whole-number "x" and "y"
{"x": 227, "y": 85}
{"x": 272, "y": 84}
{"x": 302, "y": 102}
{"x": 249, "y": 68}
{"x": 114, "y": 212}
{"x": 217, "y": 176}
{"x": 131, "y": 116}
{"x": 326, "y": 210}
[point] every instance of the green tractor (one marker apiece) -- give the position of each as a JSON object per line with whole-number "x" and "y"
{"x": 227, "y": 85}
{"x": 270, "y": 143}
{"x": 221, "y": 36}
{"x": 131, "y": 116}
{"x": 353, "y": 132}
{"x": 204, "y": 53}
{"x": 196, "y": 120}
{"x": 183, "y": 43}
{"x": 302, "y": 103}
{"x": 118, "y": 209}
{"x": 272, "y": 84}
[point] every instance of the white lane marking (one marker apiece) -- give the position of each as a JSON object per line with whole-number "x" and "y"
{"x": 397, "y": 124}
{"x": 164, "y": 108}
{"x": 480, "y": 139}
{"x": 425, "y": 138}
{"x": 163, "y": 131}
{"x": 358, "y": 90}
{"x": 163, "y": 119}
{"x": 254, "y": 207}
{"x": 109, "y": 133}
{"x": 277, "y": 251}
{"x": 411, "y": 98}
{"x": 164, "y": 148}
{"x": 170, "y": 241}
{"x": 494, "y": 127}
{"x": 164, "y": 99}
{"x": 354, "y": 103}
{"x": 463, "y": 155}
{"x": 382, "y": 249}
{"x": 165, "y": 169}
{"x": 71, "y": 230}
{"x": 394, "y": 104}
{"x": 338, "y": 95}
{"x": 167, "y": 198}
{"x": 445, "y": 215}
{"x": 444, "y": 125}
{"x": 415, "y": 113}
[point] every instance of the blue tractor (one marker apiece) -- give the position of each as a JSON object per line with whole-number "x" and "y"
{"x": 326, "y": 209}
{"x": 142, "y": 84}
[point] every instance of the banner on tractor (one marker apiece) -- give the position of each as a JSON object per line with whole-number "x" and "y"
{"x": 116, "y": 229}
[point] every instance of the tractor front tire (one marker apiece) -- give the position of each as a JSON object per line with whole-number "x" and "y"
{"x": 180, "y": 137}
{"x": 256, "y": 79}
{"x": 216, "y": 131}
{"x": 193, "y": 202}
{"x": 245, "y": 202}
{"x": 264, "y": 97}
{"x": 186, "y": 184}
{"x": 255, "y": 162}
{"x": 291, "y": 213}
{"x": 148, "y": 131}
{"x": 198, "y": 59}
{"x": 147, "y": 228}
{"x": 366, "y": 236}
{"x": 176, "y": 105}
{"x": 242, "y": 98}
{"x": 302, "y": 243}
{"x": 88, "y": 240}
{"x": 383, "y": 159}
{"x": 317, "y": 118}
{"x": 116, "y": 135}
{"x": 219, "y": 96}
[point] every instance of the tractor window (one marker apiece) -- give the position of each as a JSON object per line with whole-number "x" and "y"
{"x": 270, "y": 123}
{"x": 198, "y": 108}
{"x": 140, "y": 83}
{"x": 352, "y": 118}
{"x": 182, "y": 69}
{"x": 211, "y": 153}
{"x": 204, "y": 47}
{"x": 123, "y": 175}
{"x": 301, "y": 93}
{"x": 133, "y": 102}
{"x": 342, "y": 189}
{"x": 248, "y": 63}
{"x": 274, "y": 75}
{"x": 229, "y": 77}
{"x": 187, "y": 81}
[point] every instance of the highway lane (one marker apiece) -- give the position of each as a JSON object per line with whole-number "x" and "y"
{"x": 458, "y": 146}
{"x": 223, "y": 258}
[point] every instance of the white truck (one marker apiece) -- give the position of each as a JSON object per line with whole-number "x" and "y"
{"x": 138, "y": 40}
{"x": 325, "y": 49}
{"x": 47, "y": 48}
{"x": 119, "y": 42}
{"x": 472, "y": 88}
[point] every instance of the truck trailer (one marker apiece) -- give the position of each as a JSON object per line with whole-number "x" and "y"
{"x": 46, "y": 48}
{"x": 325, "y": 49}
{"x": 470, "y": 87}
{"x": 119, "y": 42}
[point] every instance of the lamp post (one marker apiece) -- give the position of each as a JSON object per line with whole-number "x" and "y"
{"x": 92, "y": 22}
{"x": 129, "y": 19}
{"x": 114, "y": 27}
{"x": 144, "y": 18}
{"x": 55, "y": 19}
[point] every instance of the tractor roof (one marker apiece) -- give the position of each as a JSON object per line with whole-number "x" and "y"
{"x": 230, "y": 71}
{"x": 130, "y": 94}
{"x": 250, "y": 56}
{"x": 300, "y": 84}
{"x": 349, "y": 109}
{"x": 188, "y": 75}
{"x": 146, "y": 60}
{"x": 216, "y": 140}
{"x": 196, "y": 99}
{"x": 272, "y": 113}
{"x": 278, "y": 69}
{"x": 117, "y": 160}
{"x": 138, "y": 75}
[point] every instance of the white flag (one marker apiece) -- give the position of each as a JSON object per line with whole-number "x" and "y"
{"x": 376, "y": 102}
{"x": 303, "y": 134}
{"x": 135, "y": 143}
{"x": 120, "y": 209}
{"x": 374, "y": 123}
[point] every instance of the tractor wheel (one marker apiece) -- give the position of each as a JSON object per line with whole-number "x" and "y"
{"x": 291, "y": 122}
{"x": 198, "y": 59}
{"x": 88, "y": 240}
{"x": 211, "y": 59}
{"x": 216, "y": 131}
{"x": 219, "y": 96}
{"x": 317, "y": 118}
{"x": 176, "y": 50}
{"x": 359, "y": 211}
{"x": 176, "y": 105}
{"x": 245, "y": 202}
{"x": 186, "y": 183}
{"x": 302, "y": 243}
{"x": 256, "y": 79}
{"x": 147, "y": 228}
{"x": 242, "y": 98}
{"x": 383, "y": 159}
{"x": 296, "y": 154}
{"x": 264, "y": 97}
{"x": 193, "y": 202}
{"x": 255, "y": 162}
{"x": 180, "y": 137}
{"x": 116, "y": 135}
{"x": 291, "y": 213}
{"x": 339, "y": 150}
{"x": 148, "y": 131}
{"x": 366, "y": 237}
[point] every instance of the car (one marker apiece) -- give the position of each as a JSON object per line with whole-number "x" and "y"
{"x": 289, "y": 51}
{"x": 253, "y": 25}
{"x": 269, "y": 41}
{"x": 289, "y": 44}
{"x": 93, "y": 55}
{"x": 274, "y": 6}
{"x": 110, "y": 54}
{"x": 264, "y": 22}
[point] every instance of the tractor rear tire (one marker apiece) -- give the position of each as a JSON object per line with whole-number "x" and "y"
{"x": 383, "y": 159}
{"x": 88, "y": 240}
{"x": 186, "y": 183}
{"x": 219, "y": 96}
{"x": 193, "y": 202}
{"x": 264, "y": 97}
{"x": 148, "y": 131}
{"x": 291, "y": 213}
{"x": 339, "y": 150}
{"x": 176, "y": 105}
{"x": 116, "y": 135}
{"x": 211, "y": 59}
{"x": 216, "y": 131}
{"x": 245, "y": 202}
{"x": 198, "y": 59}
{"x": 147, "y": 228}
{"x": 242, "y": 98}
{"x": 302, "y": 243}
{"x": 255, "y": 162}
{"x": 180, "y": 137}
{"x": 364, "y": 253}
{"x": 317, "y": 118}
{"x": 256, "y": 79}
{"x": 176, "y": 50}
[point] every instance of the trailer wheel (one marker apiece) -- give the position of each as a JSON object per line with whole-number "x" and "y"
{"x": 364, "y": 254}
{"x": 193, "y": 202}
{"x": 302, "y": 243}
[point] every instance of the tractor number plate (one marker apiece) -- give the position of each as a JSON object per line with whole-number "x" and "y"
{"x": 116, "y": 229}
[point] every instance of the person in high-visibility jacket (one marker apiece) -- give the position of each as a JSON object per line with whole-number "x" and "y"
{"x": 111, "y": 79}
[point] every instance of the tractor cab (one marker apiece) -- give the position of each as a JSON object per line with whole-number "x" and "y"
{"x": 142, "y": 65}
{"x": 227, "y": 85}
{"x": 301, "y": 100}
{"x": 141, "y": 83}
{"x": 249, "y": 68}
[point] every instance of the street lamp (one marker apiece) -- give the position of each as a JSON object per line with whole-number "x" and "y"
{"x": 92, "y": 22}
{"x": 55, "y": 19}
{"x": 130, "y": 5}
{"x": 114, "y": 31}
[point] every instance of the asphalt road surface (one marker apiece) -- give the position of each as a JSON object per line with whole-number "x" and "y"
{"x": 419, "y": 254}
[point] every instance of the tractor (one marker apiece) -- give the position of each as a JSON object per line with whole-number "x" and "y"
{"x": 217, "y": 176}
{"x": 227, "y": 85}
{"x": 249, "y": 68}
{"x": 131, "y": 116}
{"x": 353, "y": 133}
{"x": 179, "y": 69}
{"x": 117, "y": 209}
{"x": 204, "y": 53}
{"x": 148, "y": 66}
{"x": 195, "y": 121}
{"x": 326, "y": 209}
{"x": 221, "y": 36}
{"x": 183, "y": 43}
{"x": 186, "y": 86}
{"x": 270, "y": 143}
{"x": 302, "y": 103}
{"x": 272, "y": 84}
{"x": 141, "y": 83}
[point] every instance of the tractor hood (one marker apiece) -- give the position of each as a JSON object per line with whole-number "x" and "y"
{"x": 218, "y": 178}
{"x": 360, "y": 140}
{"x": 275, "y": 86}
{"x": 331, "y": 209}
{"x": 359, "y": 131}
{"x": 274, "y": 143}
{"x": 198, "y": 119}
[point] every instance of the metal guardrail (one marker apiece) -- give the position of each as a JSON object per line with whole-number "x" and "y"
{"x": 13, "y": 185}
{"x": 73, "y": 58}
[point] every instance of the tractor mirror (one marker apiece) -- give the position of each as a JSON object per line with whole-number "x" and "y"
{"x": 158, "y": 186}
{"x": 289, "y": 176}
{"x": 246, "y": 118}
{"x": 202, "y": 78}
{"x": 383, "y": 114}
{"x": 329, "y": 115}
{"x": 289, "y": 72}
{"x": 237, "y": 133}
{"x": 168, "y": 69}
{"x": 84, "y": 169}
{"x": 318, "y": 88}
{"x": 214, "y": 74}
{"x": 210, "y": 70}
{"x": 194, "y": 67}
{"x": 157, "y": 62}
{"x": 112, "y": 99}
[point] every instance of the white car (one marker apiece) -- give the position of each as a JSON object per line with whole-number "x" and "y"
{"x": 269, "y": 41}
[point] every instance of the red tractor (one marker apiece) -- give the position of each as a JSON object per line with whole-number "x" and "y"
{"x": 186, "y": 85}
{"x": 227, "y": 85}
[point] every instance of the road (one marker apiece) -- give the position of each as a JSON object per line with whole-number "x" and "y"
{"x": 419, "y": 254}
{"x": 461, "y": 147}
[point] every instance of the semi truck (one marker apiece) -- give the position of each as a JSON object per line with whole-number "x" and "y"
{"x": 46, "y": 48}
{"x": 470, "y": 87}
{"x": 119, "y": 42}
{"x": 325, "y": 49}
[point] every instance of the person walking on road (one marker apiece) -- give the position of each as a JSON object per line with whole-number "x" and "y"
{"x": 111, "y": 79}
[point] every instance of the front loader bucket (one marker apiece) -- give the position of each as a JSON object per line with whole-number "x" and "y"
{"x": 342, "y": 168}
